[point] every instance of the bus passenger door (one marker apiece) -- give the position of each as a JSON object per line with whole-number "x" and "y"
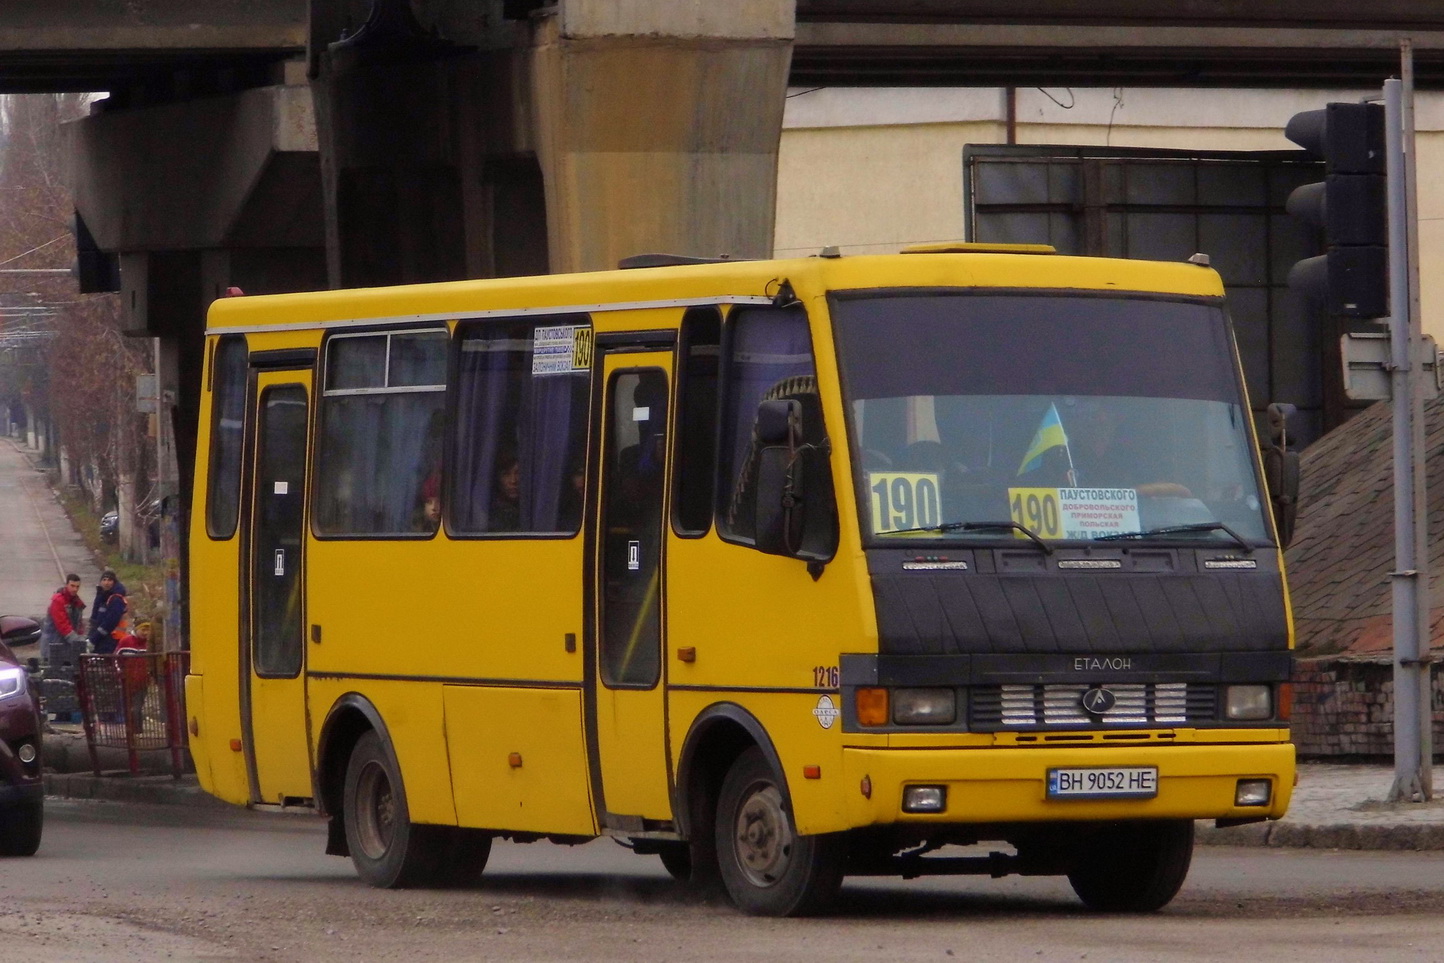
{"x": 273, "y": 649}
{"x": 628, "y": 737}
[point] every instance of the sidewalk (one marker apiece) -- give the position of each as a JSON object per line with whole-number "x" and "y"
{"x": 1334, "y": 806}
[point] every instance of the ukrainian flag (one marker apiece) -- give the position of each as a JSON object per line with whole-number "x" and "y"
{"x": 1049, "y": 435}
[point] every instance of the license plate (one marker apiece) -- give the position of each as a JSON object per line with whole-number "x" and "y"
{"x": 1112, "y": 782}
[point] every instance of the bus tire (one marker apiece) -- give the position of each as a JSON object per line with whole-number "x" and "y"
{"x": 1133, "y": 867}
{"x": 767, "y": 867}
{"x": 21, "y": 826}
{"x": 388, "y": 850}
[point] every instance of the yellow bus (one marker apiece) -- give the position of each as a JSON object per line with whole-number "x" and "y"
{"x": 779, "y": 570}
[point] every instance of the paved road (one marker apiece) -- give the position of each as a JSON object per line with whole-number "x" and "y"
{"x": 40, "y": 544}
{"x": 143, "y": 883}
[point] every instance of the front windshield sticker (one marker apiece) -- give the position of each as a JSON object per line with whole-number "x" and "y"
{"x": 904, "y": 500}
{"x": 1075, "y": 512}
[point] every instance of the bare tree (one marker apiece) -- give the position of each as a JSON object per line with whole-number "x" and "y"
{"x": 75, "y": 368}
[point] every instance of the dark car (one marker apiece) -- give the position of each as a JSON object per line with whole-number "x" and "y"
{"x": 22, "y": 794}
{"x": 148, "y": 514}
{"x": 110, "y": 526}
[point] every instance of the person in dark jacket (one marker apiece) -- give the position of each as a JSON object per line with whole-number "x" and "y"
{"x": 107, "y": 615}
{"x": 62, "y": 617}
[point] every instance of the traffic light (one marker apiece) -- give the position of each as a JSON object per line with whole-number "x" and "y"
{"x": 1351, "y": 205}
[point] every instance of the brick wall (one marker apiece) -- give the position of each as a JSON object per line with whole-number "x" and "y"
{"x": 1345, "y": 707}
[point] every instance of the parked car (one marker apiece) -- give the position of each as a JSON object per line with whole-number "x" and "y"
{"x": 149, "y": 515}
{"x": 22, "y": 794}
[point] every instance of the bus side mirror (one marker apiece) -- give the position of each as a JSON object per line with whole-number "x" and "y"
{"x": 796, "y": 515}
{"x": 1281, "y": 472}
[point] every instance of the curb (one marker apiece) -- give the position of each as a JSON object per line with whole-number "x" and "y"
{"x": 123, "y": 787}
{"x": 168, "y": 790}
{"x": 1412, "y": 837}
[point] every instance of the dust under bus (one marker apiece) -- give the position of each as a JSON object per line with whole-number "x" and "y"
{"x": 779, "y": 570}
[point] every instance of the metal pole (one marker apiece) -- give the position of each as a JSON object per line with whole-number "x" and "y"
{"x": 1417, "y": 347}
{"x": 1412, "y": 775}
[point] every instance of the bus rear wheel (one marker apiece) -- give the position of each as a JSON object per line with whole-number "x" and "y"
{"x": 388, "y": 850}
{"x": 1133, "y": 867}
{"x": 767, "y": 867}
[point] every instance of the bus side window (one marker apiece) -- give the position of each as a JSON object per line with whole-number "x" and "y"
{"x": 695, "y": 455}
{"x": 523, "y": 389}
{"x": 768, "y": 356}
{"x": 380, "y": 435}
{"x": 228, "y": 422}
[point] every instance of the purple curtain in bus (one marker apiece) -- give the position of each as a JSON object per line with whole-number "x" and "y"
{"x": 504, "y": 405}
{"x": 481, "y": 411}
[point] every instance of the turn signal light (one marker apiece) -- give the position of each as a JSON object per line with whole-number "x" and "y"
{"x": 1286, "y": 701}
{"x": 871, "y": 705}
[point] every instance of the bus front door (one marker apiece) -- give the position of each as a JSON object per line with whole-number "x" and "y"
{"x": 628, "y": 718}
{"x": 273, "y": 651}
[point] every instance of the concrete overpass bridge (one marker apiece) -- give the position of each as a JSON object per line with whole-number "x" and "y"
{"x": 278, "y": 145}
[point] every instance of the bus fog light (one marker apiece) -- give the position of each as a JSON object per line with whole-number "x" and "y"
{"x": 26, "y": 752}
{"x": 923, "y": 707}
{"x": 1248, "y": 702}
{"x": 925, "y": 799}
{"x": 1253, "y": 792}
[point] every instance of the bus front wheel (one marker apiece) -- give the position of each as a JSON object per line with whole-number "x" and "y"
{"x": 1133, "y": 867}
{"x": 388, "y": 850}
{"x": 767, "y": 867}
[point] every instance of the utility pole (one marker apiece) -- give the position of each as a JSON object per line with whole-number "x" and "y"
{"x": 1413, "y": 662}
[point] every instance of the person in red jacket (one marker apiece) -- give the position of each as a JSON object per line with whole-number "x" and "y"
{"x": 62, "y": 618}
{"x": 135, "y": 672}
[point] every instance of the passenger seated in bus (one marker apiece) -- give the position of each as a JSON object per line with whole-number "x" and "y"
{"x": 1104, "y": 456}
{"x": 504, "y": 513}
{"x": 574, "y": 498}
{"x": 430, "y": 514}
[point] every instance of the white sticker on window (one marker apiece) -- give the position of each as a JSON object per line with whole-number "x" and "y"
{"x": 561, "y": 349}
{"x": 282, "y": 488}
{"x": 641, "y": 414}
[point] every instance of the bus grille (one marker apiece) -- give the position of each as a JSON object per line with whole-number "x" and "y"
{"x": 1161, "y": 704}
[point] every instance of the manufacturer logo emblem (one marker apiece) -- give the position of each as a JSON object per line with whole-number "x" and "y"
{"x": 1098, "y": 700}
{"x": 826, "y": 712}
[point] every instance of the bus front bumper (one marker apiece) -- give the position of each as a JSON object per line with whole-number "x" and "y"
{"x": 1012, "y": 785}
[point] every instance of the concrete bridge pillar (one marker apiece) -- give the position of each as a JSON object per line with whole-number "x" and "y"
{"x": 657, "y": 126}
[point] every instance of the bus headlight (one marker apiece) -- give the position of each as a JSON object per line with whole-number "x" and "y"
{"x": 1248, "y": 702}
{"x": 924, "y": 707}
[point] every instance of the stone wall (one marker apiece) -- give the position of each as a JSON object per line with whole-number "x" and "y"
{"x": 1345, "y": 707}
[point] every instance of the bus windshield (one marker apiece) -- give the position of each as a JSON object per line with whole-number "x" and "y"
{"x": 1080, "y": 417}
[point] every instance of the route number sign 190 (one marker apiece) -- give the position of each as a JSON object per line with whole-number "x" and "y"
{"x": 902, "y": 500}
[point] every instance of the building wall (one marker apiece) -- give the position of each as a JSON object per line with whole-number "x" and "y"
{"x": 1345, "y": 707}
{"x": 871, "y": 170}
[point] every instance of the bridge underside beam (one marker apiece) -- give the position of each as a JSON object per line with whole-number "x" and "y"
{"x": 1105, "y": 55}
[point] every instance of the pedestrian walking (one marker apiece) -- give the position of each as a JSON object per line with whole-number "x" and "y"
{"x": 62, "y": 617}
{"x": 107, "y": 615}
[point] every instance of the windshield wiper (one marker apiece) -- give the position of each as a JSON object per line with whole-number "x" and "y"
{"x": 981, "y": 527}
{"x": 1181, "y": 530}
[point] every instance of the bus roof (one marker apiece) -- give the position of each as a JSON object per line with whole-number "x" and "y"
{"x": 734, "y": 281}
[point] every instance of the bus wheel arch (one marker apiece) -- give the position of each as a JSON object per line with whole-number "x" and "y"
{"x": 350, "y": 718}
{"x": 716, "y": 739}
